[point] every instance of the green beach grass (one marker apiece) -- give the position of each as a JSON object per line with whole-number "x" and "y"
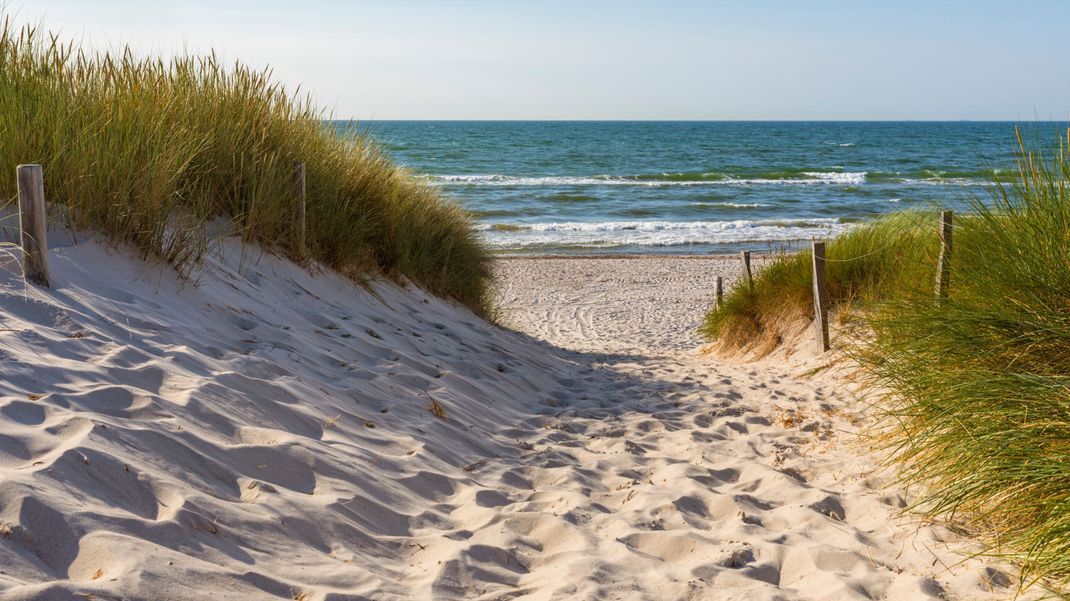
{"x": 863, "y": 264}
{"x": 979, "y": 402}
{"x": 147, "y": 150}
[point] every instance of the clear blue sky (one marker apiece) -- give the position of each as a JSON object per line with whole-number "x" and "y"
{"x": 577, "y": 59}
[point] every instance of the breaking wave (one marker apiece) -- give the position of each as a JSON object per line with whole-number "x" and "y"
{"x": 607, "y": 234}
{"x": 664, "y": 179}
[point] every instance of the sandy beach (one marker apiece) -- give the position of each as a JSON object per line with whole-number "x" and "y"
{"x": 267, "y": 432}
{"x": 647, "y": 305}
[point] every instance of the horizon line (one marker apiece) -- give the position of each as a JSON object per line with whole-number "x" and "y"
{"x": 531, "y": 120}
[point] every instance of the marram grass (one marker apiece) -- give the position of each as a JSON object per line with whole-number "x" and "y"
{"x": 979, "y": 402}
{"x": 861, "y": 265}
{"x": 147, "y": 150}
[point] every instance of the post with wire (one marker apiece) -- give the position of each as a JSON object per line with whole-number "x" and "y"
{"x": 820, "y": 296}
{"x": 744, "y": 256}
{"x": 943, "y": 262}
{"x": 33, "y": 223}
{"x": 299, "y": 209}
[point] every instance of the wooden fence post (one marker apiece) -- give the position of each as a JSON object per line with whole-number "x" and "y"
{"x": 33, "y": 223}
{"x": 720, "y": 292}
{"x": 745, "y": 257}
{"x": 820, "y": 296}
{"x": 299, "y": 208}
{"x": 943, "y": 263}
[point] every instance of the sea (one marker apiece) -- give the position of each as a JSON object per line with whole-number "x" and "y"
{"x": 598, "y": 187}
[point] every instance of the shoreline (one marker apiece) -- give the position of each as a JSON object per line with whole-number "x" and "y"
{"x": 718, "y": 256}
{"x": 646, "y": 305}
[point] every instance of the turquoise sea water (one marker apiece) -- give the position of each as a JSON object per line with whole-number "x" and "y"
{"x": 695, "y": 187}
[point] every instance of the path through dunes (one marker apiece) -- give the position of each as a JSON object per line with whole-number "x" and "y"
{"x": 748, "y": 481}
{"x": 267, "y": 433}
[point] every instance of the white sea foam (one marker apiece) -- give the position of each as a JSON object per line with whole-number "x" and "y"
{"x": 659, "y": 233}
{"x": 837, "y": 177}
{"x": 950, "y": 181}
{"x": 511, "y": 180}
{"x": 806, "y": 178}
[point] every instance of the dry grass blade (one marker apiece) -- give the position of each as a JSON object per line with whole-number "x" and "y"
{"x": 437, "y": 409}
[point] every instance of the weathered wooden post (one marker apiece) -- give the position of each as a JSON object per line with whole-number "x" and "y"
{"x": 299, "y": 208}
{"x": 821, "y": 311}
{"x": 943, "y": 263}
{"x": 745, "y": 257}
{"x": 720, "y": 291}
{"x": 33, "y": 223}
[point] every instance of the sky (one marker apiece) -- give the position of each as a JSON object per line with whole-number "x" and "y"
{"x": 594, "y": 59}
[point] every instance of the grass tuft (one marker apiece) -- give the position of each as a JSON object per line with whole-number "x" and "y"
{"x": 437, "y": 409}
{"x": 864, "y": 264}
{"x": 147, "y": 150}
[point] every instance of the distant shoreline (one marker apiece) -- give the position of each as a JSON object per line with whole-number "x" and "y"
{"x": 661, "y": 256}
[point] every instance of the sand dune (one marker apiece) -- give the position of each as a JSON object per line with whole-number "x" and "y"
{"x": 264, "y": 432}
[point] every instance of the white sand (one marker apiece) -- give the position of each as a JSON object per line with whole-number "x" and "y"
{"x": 266, "y": 433}
{"x": 613, "y": 304}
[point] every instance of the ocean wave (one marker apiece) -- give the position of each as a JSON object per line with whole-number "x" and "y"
{"x": 662, "y": 180}
{"x": 700, "y": 206}
{"x": 938, "y": 177}
{"x": 945, "y": 181}
{"x": 835, "y": 177}
{"x": 607, "y": 234}
{"x": 922, "y": 177}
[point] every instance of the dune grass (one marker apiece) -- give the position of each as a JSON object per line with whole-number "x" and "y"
{"x": 981, "y": 409}
{"x": 864, "y": 264}
{"x": 979, "y": 403}
{"x": 147, "y": 151}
